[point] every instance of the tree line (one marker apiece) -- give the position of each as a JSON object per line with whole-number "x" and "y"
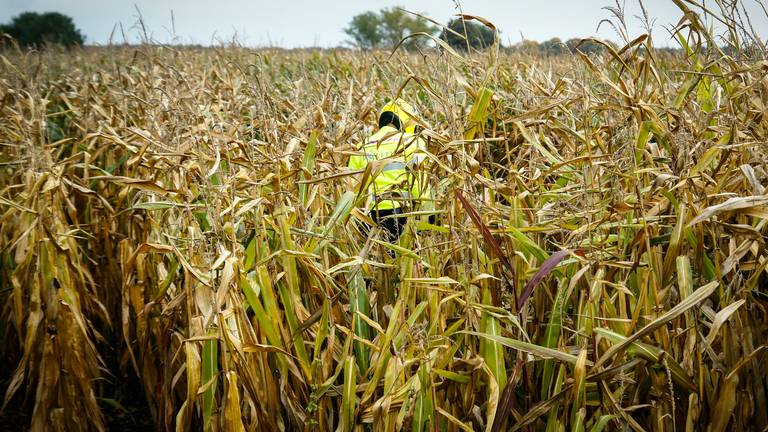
{"x": 31, "y": 29}
{"x": 388, "y": 27}
{"x": 370, "y": 30}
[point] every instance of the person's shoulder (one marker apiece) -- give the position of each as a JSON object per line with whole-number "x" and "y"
{"x": 382, "y": 134}
{"x": 410, "y": 136}
{"x": 370, "y": 139}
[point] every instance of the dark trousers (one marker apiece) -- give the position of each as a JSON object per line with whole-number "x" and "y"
{"x": 393, "y": 226}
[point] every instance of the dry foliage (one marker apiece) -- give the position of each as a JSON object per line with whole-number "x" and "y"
{"x": 184, "y": 218}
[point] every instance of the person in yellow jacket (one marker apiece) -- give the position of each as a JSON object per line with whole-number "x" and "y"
{"x": 398, "y": 181}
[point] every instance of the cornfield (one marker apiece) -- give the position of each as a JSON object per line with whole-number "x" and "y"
{"x": 181, "y": 221}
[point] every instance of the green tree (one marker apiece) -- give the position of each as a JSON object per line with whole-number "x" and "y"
{"x": 478, "y": 36}
{"x": 386, "y": 28}
{"x": 33, "y": 29}
{"x": 585, "y": 46}
{"x": 364, "y": 31}
{"x": 530, "y": 47}
{"x": 553, "y": 47}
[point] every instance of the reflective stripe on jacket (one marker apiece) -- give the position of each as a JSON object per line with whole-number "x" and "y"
{"x": 394, "y": 181}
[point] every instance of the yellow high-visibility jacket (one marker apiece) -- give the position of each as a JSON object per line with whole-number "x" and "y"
{"x": 400, "y": 178}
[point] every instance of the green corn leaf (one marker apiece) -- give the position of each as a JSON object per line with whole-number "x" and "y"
{"x": 308, "y": 165}
{"x": 349, "y": 396}
{"x": 424, "y": 410}
{"x": 209, "y": 378}
{"x": 478, "y": 115}
{"x": 491, "y": 349}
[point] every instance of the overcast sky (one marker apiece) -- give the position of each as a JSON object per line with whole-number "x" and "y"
{"x": 302, "y": 23}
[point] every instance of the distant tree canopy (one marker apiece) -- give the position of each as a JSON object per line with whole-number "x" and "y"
{"x": 478, "y": 36}
{"x": 587, "y": 46}
{"x": 384, "y": 29}
{"x": 556, "y": 47}
{"x": 553, "y": 47}
{"x": 33, "y": 29}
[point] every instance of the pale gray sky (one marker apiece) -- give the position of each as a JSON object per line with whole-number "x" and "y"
{"x": 301, "y": 23}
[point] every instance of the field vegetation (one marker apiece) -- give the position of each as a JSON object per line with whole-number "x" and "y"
{"x": 181, "y": 222}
